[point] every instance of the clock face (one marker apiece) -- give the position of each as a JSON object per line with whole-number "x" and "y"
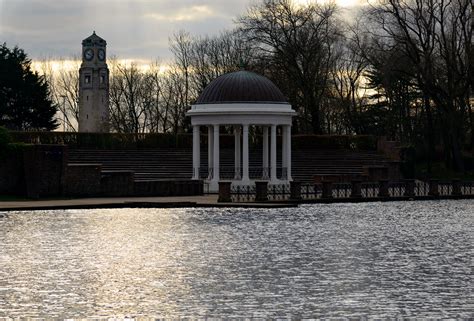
{"x": 101, "y": 54}
{"x": 89, "y": 54}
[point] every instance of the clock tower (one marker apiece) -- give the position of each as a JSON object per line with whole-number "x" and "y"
{"x": 94, "y": 86}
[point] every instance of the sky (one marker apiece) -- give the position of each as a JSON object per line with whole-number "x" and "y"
{"x": 133, "y": 29}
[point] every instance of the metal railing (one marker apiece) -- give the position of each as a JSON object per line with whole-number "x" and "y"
{"x": 421, "y": 188}
{"x": 407, "y": 189}
{"x": 467, "y": 188}
{"x": 396, "y": 189}
{"x": 370, "y": 189}
{"x": 311, "y": 191}
{"x": 278, "y": 192}
{"x": 341, "y": 190}
{"x": 241, "y": 194}
{"x": 445, "y": 188}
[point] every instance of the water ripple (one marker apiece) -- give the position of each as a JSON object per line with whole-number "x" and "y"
{"x": 378, "y": 260}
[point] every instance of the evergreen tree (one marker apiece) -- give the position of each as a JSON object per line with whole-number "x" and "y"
{"x": 24, "y": 95}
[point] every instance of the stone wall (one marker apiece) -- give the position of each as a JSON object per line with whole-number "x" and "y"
{"x": 376, "y": 173}
{"x": 12, "y": 178}
{"x": 83, "y": 179}
{"x": 35, "y": 171}
{"x": 44, "y": 170}
{"x": 169, "y": 188}
{"x": 391, "y": 149}
{"x": 117, "y": 183}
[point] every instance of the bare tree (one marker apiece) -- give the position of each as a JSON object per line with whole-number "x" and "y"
{"x": 437, "y": 38}
{"x": 347, "y": 79}
{"x": 128, "y": 98}
{"x": 177, "y": 99}
{"x": 154, "y": 87}
{"x": 64, "y": 89}
{"x": 297, "y": 42}
{"x": 181, "y": 47}
{"x": 212, "y": 57}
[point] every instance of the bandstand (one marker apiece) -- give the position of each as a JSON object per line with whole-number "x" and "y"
{"x": 242, "y": 99}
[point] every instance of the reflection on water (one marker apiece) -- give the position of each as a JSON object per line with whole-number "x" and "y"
{"x": 376, "y": 259}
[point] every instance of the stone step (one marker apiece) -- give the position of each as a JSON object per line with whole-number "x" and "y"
{"x": 177, "y": 163}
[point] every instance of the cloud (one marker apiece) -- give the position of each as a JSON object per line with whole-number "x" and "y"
{"x": 132, "y": 28}
{"x": 194, "y": 13}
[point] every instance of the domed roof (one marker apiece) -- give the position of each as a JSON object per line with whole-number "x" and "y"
{"x": 241, "y": 87}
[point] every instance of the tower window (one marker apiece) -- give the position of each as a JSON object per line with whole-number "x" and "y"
{"x": 87, "y": 98}
{"x": 102, "y": 79}
{"x": 87, "y": 116}
{"x": 87, "y": 79}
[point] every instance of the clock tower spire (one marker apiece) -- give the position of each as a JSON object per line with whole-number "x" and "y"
{"x": 94, "y": 86}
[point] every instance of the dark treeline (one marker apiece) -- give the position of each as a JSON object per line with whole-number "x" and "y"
{"x": 401, "y": 69}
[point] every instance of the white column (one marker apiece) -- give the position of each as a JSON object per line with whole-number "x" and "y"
{"x": 245, "y": 153}
{"x": 210, "y": 151}
{"x": 273, "y": 155}
{"x": 196, "y": 152}
{"x": 288, "y": 152}
{"x": 216, "y": 176}
{"x": 283, "y": 148}
{"x": 238, "y": 174}
{"x": 265, "y": 153}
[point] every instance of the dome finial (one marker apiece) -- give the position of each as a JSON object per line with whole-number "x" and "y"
{"x": 93, "y": 32}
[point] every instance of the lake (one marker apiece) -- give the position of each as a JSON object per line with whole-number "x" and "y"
{"x": 405, "y": 259}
